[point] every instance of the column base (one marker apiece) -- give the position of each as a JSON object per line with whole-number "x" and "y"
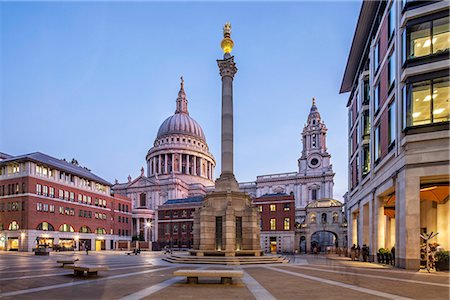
{"x": 227, "y": 182}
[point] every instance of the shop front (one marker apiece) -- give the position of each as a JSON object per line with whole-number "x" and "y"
{"x": 13, "y": 244}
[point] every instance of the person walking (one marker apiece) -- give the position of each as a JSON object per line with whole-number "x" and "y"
{"x": 86, "y": 247}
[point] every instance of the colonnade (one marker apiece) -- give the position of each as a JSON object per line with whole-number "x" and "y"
{"x": 180, "y": 163}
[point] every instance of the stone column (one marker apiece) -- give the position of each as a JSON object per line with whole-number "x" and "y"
{"x": 173, "y": 162}
{"x": 195, "y": 165}
{"x": 188, "y": 164}
{"x": 200, "y": 162}
{"x": 137, "y": 227}
{"x": 165, "y": 163}
{"x": 180, "y": 161}
{"x": 228, "y": 69}
{"x": 407, "y": 217}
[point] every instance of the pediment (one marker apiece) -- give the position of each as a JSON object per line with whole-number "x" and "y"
{"x": 142, "y": 181}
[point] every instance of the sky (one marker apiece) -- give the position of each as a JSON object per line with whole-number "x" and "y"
{"x": 95, "y": 80}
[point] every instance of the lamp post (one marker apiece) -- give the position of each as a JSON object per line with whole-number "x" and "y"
{"x": 148, "y": 226}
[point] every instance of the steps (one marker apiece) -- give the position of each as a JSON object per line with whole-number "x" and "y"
{"x": 226, "y": 260}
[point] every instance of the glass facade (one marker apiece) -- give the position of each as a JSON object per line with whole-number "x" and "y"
{"x": 432, "y": 37}
{"x": 427, "y": 102}
{"x": 377, "y": 144}
{"x": 391, "y": 124}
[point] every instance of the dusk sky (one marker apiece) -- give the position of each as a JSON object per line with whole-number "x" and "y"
{"x": 94, "y": 81}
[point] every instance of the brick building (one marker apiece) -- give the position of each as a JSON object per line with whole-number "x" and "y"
{"x": 175, "y": 222}
{"x": 277, "y": 212}
{"x": 397, "y": 77}
{"x": 44, "y": 200}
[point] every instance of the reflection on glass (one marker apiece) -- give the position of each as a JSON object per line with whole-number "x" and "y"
{"x": 441, "y": 105}
{"x": 421, "y": 107}
{"x": 441, "y": 35}
{"x": 420, "y": 40}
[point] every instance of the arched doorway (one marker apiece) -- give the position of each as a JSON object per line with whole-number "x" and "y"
{"x": 322, "y": 240}
{"x": 302, "y": 246}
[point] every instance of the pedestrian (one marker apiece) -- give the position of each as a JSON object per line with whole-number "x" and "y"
{"x": 353, "y": 252}
{"x": 86, "y": 247}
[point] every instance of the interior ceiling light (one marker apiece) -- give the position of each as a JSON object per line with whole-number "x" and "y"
{"x": 416, "y": 114}
{"x": 427, "y": 98}
{"x": 427, "y": 43}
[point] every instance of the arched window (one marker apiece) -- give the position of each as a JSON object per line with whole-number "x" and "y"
{"x": 45, "y": 226}
{"x": 85, "y": 229}
{"x": 314, "y": 194}
{"x": 335, "y": 217}
{"x": 66, "y": 228}
{"x": 100, "y": 231}
{"x": 324, "y": 218}
{"x": 143, "y": 200}
{"x": 13, "y": 226}
{"x": 312, "y": 219}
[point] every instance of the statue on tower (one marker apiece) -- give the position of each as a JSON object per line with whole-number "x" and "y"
{"x": 227, "y": 43}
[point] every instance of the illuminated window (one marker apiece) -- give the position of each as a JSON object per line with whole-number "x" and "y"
{"x": 287, "y": 224}
{"x": 100, "y": 231}
{"x": 287, "y": 207}
{"x": 273, "y": 207}
{"x": 366, "y": 160}
{"x": 52, "y": 192}
{"x": 428, "y": 38}
{"x": 260, "y": 208}
{"x": 38, "y": 189}
{"x": 427, "y": 102}
{"x": 45, "y": 226}
{"x": 312, "y": 218}
{"x": 335, "y": 217}
{"x": 273, "y": 224}
{"x": 66, "y": 228}
{"x": 13, "y": 226}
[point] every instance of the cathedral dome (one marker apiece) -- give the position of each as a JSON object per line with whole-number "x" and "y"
{"x": 181, "y": 123}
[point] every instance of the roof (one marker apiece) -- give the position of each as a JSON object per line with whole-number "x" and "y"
{"x": 275, "y": 196}
{"x": 57, "y": 164}
{"x": 360, "y": 41}
{"x": 323, "y": 203}
{"x": 4, "y": 156}
{"x": 189, "y": 200}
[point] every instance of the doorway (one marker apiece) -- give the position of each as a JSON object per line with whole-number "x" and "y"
{"x": 273, "y": 244}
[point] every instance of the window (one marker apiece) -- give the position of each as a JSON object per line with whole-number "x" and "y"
{"x": 45, "y": 207}
{"x": 366, "y": 98}
{"x": 365, "y": 124}
{"x": 287, "y": 224}
{"x": 72, "y": 196}
{"x": 260, "y": 208}
{"x": 376, "y": 56}
{"x": 432, "y": 37}
{"x": 51, "y": 208}
{"x": 312, "y": 219}
{"x": 66, "y": 228}
{"x": 377, "y": 144}
{"x": 38, "y": 189}
{"x": 273, "y": 207}
{"x": 100, "y": 231}
{"x": 13, "y": 226}
{"x": 287, "y": 207}
{"x": 391, "y": 124}
{"x": 142, "y": 200}
{"x": 45, "y": 190}
{"x": 391, "y": 21}
{"x": 80, "y": 198}
{"x": 376, "y": 99}
{"x": 175, "y": 228}
{"x": 45, "y": 226}
{"x": 427, "y": 102}
{"x": 61, "y": 194}
{"x": 85, "y": 229}
{"x": 66, "y": 195}
{"x": 366, "y": 160}
{"x": 273, "y": 224}
{"x": 39, "y": 206}
{"x": 314, "y": 194}
{"x": 391, "y": 70}
{"x": 52, "y": 192}
{"x": 61, "y": 210}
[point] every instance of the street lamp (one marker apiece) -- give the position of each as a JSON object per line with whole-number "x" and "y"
{"x": 148, "y": 225}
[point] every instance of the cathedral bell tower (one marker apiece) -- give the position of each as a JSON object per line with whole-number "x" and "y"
{"x": 315, "y": 158}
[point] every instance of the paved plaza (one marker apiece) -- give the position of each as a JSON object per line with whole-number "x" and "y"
{"x": 147, "y": 276}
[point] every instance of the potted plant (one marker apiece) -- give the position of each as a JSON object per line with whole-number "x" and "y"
{"x": 380, "y": 256}
{"x": 442, "y": 260}
{"x": 387, "y": 256}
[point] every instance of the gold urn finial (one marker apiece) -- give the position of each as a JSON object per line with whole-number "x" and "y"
{"x": 227, "y": 43}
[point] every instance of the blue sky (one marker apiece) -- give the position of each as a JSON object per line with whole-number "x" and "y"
{"x": 94, "y": 81}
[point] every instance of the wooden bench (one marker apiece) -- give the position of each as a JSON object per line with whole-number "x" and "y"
{"x": 226, "y": 276}
{"x": 78, "y": 270}
{"x": 64, "y": 262}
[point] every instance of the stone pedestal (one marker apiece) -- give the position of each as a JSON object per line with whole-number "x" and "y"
{"x": 229, "y": 206}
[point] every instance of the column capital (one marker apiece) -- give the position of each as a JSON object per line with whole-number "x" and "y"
{"x": 227, "y": 67}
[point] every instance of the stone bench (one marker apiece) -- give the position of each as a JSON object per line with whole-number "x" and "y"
{"x": 226, "y": 276}
{"x": 78, "y": 270}
{"x": 64, "y": 262}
